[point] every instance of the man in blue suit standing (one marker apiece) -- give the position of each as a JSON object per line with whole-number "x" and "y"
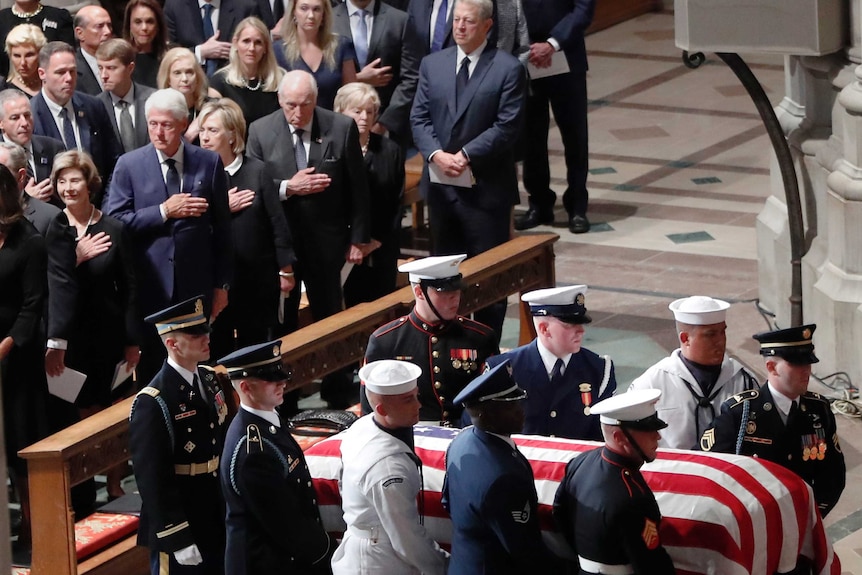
{"x": 489, "y": 488}
{"x": 466, "y": 118}
{"x": 562, "y": 378}
{"x": 556, "y": 29}
{"x": 76, "y": 119}
{"x": 172, "y": 198}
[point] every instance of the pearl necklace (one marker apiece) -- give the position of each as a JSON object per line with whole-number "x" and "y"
{"x": 89, "y": 223}
{"x": 26, "y": 15}
{"x": 256, "y": 86}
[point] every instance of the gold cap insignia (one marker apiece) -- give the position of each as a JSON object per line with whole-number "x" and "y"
{"x": 199, "y": 305}
{"x": 276, "y": 351}
{"x": 806, "y": 333}
{"x": 579, "y": 299}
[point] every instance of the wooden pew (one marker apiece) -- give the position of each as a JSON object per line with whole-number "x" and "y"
{"x": 92, "y": 446}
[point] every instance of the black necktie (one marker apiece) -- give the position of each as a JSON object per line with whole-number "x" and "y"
{"x": 68, "y": 130}
{"x": 172, "y": 178}
{"x": 557, "y": 372}
{"x": 794, "y": 411}
{"x": 462, "y": 79}
{"x": 299, "y": 151}
{"x": 208, "y": 33}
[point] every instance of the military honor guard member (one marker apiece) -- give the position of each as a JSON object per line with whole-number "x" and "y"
{"x": 381, "y": 479}
{"x": 451, "y": 349}
{"x": 175, "y": 437}
{"x": 782, "y": 421}
{"x": 603, "y": 506}
{"x": 273, "y": 524}
{"x": 562, "y": 379}
{"x": 489, "y": 488}
{"x": 698, "y": 376}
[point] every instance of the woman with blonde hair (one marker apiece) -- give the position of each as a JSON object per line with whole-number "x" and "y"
{"x": 309, "y": 44}
{"x": 180, "y": 70}
{"x": 252, "y": 75}
{"x": 384, "y": 168}
{"x": 22, "y": 47}
{"x": 54, "y": 23}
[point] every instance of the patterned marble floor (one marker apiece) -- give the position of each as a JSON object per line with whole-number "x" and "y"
{"x": 679, "y": 171}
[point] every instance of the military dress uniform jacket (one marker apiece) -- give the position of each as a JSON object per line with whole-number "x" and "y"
{"x": 273, "y": 524}
{"x": 490, "y": 494}
{"x": 683, "y": 404}
{"x": 176, "y": 438}
{"x": 561, "y": 410}
{"x": 451, "y": 354}
{"x": 750, "y": 424}
{"x": 609, "y": 515}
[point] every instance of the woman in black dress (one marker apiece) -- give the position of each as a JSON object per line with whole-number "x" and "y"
{"x": 55, "y": 23}
{"x": 384, "y": 168}
{"x": 144, "y": 28}
{"x": 251, "y": 77}
{"x": 103, "y": 327}
{"x": 22, "y": 47}
{"x": 23, "y": 269}
{"x": 262, "y": 245}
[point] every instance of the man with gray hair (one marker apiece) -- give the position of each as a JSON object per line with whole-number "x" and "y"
{"x": 317, "y": 166}
{"x": 36, "y": 211}
{"x": 16, "y": 122}
{"x": 92, "y": 28}
{"x": 172, "y": 198}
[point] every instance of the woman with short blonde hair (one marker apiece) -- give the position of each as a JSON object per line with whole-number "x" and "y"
{"x": 180, "y": 70}
{"x": 22, "y": 46}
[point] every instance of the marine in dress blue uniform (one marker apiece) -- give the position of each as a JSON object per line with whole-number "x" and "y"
{"x": 562, "y": 378}
{"x": 273, "y": 524}
{"x": 175, "y": 438}
{"x": 489, "y": 488}
{"x": 603, "y": 506}
{"x": 782, "y": 421}
{"x": 451, "y": 349}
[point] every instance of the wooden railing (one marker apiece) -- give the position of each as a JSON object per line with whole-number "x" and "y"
{"x": 99, "y": 442}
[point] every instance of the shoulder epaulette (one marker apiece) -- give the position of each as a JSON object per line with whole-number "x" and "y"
{"x": 253, "y": 441}
{"x": 166, "y": 413}
{"x": 742, "y": 397}
{"x": 394, "y": 324}
{"x": 815, "y": 397}
{"x": 151, "y": 391}
{"x": 475, "y": 325}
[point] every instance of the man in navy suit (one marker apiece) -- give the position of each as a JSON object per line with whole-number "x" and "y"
{"x": 389, "y": 60}
{"x": 16, "y": 122}
{"x": 210, "y": 40}
{"x": 76, "y": 119}
{"x": 489, "y": 488}
{"x": 562, "y": 378}
{"x": 172, "y": 198}
{"x": 92, "y": 29}
{"x": 557, "y": 26}
{"x": 124, "y": 100}
{"x": 466, "y": 118}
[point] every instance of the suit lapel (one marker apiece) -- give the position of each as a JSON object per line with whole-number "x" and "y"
{"x": 83, "y": 123}
{"x": 189, "y": 174}
{"x": 196, "y": 17}
{"x": 377, "y": 29}
{"x": 141, "y": 135}
{"x": 280, "y": 134}
{"x": 319, "y": 141}
{"x": 45, "y": 119}
{"x": 447, "y": 81}
{"x": 482, "y": 67}
{"x": 108, "y": 103}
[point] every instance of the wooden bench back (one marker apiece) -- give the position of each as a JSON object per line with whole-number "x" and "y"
{"x": 92, "y": 446}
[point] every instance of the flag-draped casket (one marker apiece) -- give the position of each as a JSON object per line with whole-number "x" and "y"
{"x": 722, "y": 514}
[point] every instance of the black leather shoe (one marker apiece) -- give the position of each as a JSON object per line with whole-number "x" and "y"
{"x": 579, "y": 224}
{"x": 533, "y": 218}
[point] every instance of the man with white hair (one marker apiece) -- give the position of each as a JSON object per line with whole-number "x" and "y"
{"x": 562, "y": 378}
{"x": 172, "y": 198}
{"x": 381, "y": 478}
{"x": 696, "y": 378}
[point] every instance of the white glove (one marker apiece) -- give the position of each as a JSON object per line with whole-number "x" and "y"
{"x": 190, "y": 555}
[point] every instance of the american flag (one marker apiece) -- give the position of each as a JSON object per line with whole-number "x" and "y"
{"x": 722, "y": 514}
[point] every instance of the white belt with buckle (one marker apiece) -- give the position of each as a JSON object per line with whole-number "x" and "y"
{"x": 197, "y": 468}
{"x": 603, "y": 568}
{"x": 372, "y": 533}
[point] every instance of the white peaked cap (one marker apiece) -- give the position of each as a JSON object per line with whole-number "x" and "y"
{"x": 433, "y": 268}
{"x": 390, "y": 376}
{"x": 699, "y": 310}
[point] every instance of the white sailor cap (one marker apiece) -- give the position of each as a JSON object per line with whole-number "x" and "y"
{"x": 699, "y": 310}
{"x": 634, "y": 409}
{"x": 565, "y": 303}
{"x": 390, "y": 376}
{"x": 439, "y": 272}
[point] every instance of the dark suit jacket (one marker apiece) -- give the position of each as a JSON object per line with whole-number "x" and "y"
{"x": 142, "y": 137}
{"x": 87, "y": 81}
{"x": 170, "y": 423}
{"x": 184, "y": 20}
{"x": 485, "y": 123}
{"x": 180, "y": 258}
{"x": 394, "y": 43}
{"x": 420, "y": 20}
{"x": 39, "y": 213}
{"x": 273, "y": 524}
{"x": 490, "y": 494}
{"x": 265, "y": 12}
{"x": 339, "y": 213}
{"x": 558, "y": 410}
{"x": 97, "y": 137}
{"x": 565, "y": 21}
{"x": 44, "y": 150}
